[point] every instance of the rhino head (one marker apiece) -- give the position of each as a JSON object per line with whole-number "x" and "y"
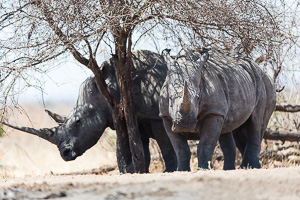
{"x": 183, "y": 81}
{"x": 82, "y": 128}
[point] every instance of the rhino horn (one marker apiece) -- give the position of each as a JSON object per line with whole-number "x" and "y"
{"x": 57, "y": 118}
{"x": 49, "y": 134}
{"x": 186, "y": 102}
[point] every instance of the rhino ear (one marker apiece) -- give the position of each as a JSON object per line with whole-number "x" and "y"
{"x": 57, "y": 118}
{"x": 203, "y": 59}
{"x": 168, "y": 59}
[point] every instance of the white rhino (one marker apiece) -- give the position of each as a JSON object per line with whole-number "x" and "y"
{"x": 209, "y": 98}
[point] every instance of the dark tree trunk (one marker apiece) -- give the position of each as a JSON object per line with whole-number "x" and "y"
{"x": 122, "y": 64}
{"x": 123, "y": 153}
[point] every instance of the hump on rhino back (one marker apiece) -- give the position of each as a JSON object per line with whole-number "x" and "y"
{"x": 149, "y": 73}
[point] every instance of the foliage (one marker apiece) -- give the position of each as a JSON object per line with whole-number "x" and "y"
{"x": 1, "y": 131}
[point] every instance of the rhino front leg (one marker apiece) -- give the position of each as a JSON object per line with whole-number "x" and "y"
{"x": 165, "y": 145}
{"x": 210, "y": 129}
{"x": 229, "y": 150}
{"x": 180, "y": 146}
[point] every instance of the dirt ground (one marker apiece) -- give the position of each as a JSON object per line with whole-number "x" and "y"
{"x": 31, "y": 168}
{"x": 281, "y": 183}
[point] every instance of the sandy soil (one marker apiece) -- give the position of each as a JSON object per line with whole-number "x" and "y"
{"x": 31, "y": 168}
{"x": 239, "y": 184}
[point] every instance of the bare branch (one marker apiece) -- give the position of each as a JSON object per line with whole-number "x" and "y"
{"x": 285, "y": 107}
{"x": 283, "y": 136}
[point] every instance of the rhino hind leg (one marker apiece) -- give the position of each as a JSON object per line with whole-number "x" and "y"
{"x": 248, "y": 139}
{"x": 145, "y": 142}
{"x": 229, "y": 150}
{"x": 240, "y": 138}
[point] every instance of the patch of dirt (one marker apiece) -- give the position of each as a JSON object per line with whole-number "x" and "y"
{"x": 280, "y": 183}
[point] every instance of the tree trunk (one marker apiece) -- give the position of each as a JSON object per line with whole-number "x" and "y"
{"x": 122, "y": 64}
{"x": 122, "y": 146}
{"x": 123, "y": 153}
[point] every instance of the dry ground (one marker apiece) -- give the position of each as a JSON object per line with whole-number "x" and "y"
{"x": 280, "y": 183}
{"x": 31, "y": 168}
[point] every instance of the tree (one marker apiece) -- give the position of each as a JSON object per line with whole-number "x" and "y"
{"x": 36, "y": 32}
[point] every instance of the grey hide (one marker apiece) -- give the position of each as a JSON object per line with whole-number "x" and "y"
{"x": 91, "y": 115}
{"x": 212, "y": 99}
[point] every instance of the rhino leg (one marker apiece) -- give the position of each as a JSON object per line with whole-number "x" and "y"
{"x": 240, "y": 138}
{"x": 210, "y": 130}
{"x": 180, "y": 146}
{"x": 251, "y": 154}
{"x": 229, "y": 150}
{"x": 145, "y": 132}
{"x": 145, "y": 142}
{"x": 251, "y": 134}
{"x": 165, "y": 145}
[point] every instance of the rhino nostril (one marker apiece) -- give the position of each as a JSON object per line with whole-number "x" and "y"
{"x": 66, "y": 153}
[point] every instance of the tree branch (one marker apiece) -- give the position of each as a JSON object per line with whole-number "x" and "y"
{"x": 285, "y": 107}
{"x": 63, "y": 38}
{"x": 283, "y": 136}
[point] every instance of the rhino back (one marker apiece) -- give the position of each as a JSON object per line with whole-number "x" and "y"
{"x": 232, "y": 86}
{"x": 148, "y": 73}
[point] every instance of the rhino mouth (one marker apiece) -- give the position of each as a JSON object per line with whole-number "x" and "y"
{"x": 185, "y": 128}
{"x": 67, "y": 152}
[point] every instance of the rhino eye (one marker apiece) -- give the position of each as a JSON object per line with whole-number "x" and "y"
{"x": 77, "y": 120}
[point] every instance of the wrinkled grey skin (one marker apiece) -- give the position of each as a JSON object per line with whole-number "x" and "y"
{"x": 209, "y": 99}
{"x": 91, "y": 115}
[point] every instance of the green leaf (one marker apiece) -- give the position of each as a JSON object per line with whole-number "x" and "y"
{"x": 1, "y": 131}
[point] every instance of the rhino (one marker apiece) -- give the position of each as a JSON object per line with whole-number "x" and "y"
{"x": 213, "y": 95}
{"x": 91, "y": 114}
